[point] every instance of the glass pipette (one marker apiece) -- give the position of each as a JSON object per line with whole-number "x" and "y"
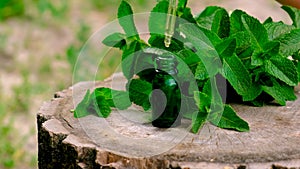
{"x": 170, "y": 22}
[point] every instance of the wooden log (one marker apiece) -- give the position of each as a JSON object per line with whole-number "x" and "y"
{"x": 126, "y": 139}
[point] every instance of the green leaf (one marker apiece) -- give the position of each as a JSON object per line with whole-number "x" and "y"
{"x": 215, "y": 19}
{"x": 188, "y": 106}
{"x": 158, "y": 42}
{"x": 280, "y": 92}
{"x": 237, "y": 75}
{"x": 277, "y": 29}
{"x": 82, "y": 107}
{"x": 243, "y": 44}
{"x": 212, "y": 90}
{"x": 102, "y": 106}
{"x": 294, "y": 14}
{"x": 236, "y": 24}
{"x": 194, "y": 63}
{"x": 228, "y": 119}
{"x": 205, "y": 19}
{"x": 189, "y": 57}
{"x": 256, "y": 30}
{"x": 182, "y": 4}
{"x": 283, "y": 69}
{"x": 268, "y": 20}
{"x": 125, "y": 17}
{"x": 253, "y": 92}
{"x": 105, "y": 98}
{"x": 129, "y": 58}
{"x": 100, "y": 102}
{"x": 198, "y": 120}
{"x": 139, "y": 92}
{"x": 271, "y": 48}
{"x": 117, "y": 40}
{"x": 205, "y": 50}
{"x": 201, "y": 72}
{"x": 298, "y": 69}
{"x": 157, "y": 19}
{"x": 203, "y": 101}
{"x": 213, "y": 37}
{"x": 290, "y": 43}
{"x": 115, "y": 98}
{"x": 227, "y": 47}
{"x": 186, "y": 15}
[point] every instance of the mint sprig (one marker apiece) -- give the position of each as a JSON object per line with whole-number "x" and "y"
{"x": 259, "y": 61}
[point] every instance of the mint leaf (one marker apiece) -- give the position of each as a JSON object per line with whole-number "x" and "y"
{"x": 280, "y": 92}
{"x": 256, "y": 30}
{"x": 243, "y": 44}
{"x": 268, "y": 20}
{"x": 253, "y": 92}
{"x": 298, "y": 69}
{"x": 277, "y": 29}
{"x": 100, "y": 102}
{"x": 294, "y": 14}
{"x": 188, "y": 106}
{"x": 215, "y": 19}
{"x": 203, "y": 101}
{"x": 213, "y": 37}
{"x": 194, "y": 63}
{"x": 283, "y": 69}
{"x": 206, "y": 18}
{"x": 201, "y": 72}
{"x": 226, "y": 48}
{"x": 290, "y": 43}
{"x": 117, "y": 40}
{"x": 236, "y": 73}
{"x": 185, "y": 12}
{"x": 129, "y": 58}
{"x": 158, "y": 42}
{"x": 189, "y": 57}
{"x": 228, "y": 119}
{"x": 102, "y": 99}
{"x": 102, "y": 106}
{"x": 271, "y": 48}
{"x": 139, "y": 92}
{"x": 115, "y": 98}
{"x": 125, "y": 16}
{"x": 236, "y": 24}
{"x": 186, "y": 15}
{"x": 82, "y": 107}
{"x": 198, "y": 120}
{"x": 182, "y": 4}
{"x": 157, "y": 19}
{"x": 205, "y": 50}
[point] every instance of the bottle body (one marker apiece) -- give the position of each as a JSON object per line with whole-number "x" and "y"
{"x": 166, "y": 97}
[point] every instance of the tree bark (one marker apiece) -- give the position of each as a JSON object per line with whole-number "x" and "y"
{"x": 126, "y": 140}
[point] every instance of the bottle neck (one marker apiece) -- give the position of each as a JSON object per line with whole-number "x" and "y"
{"x": 166, "y": 63}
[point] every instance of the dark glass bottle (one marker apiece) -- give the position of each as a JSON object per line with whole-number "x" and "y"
{"x": 165, "y": 98}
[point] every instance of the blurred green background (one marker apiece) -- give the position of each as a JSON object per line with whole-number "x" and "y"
{"x": 39, "y": 44}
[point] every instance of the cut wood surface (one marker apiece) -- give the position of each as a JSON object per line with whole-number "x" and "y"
{"x": 126, "y": 139}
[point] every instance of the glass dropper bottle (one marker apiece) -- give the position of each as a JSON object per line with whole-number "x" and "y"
{"x": 165, "y": 98}
{"x": 170, "y": 22}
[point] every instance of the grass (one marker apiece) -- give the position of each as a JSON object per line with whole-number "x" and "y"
{"x": 45, "y": 69}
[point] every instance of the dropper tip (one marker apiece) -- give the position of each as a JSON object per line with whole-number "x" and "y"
{"x": 167, "y": 41}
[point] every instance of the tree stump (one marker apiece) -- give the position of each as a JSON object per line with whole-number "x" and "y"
{"x": 126, "y": 140}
